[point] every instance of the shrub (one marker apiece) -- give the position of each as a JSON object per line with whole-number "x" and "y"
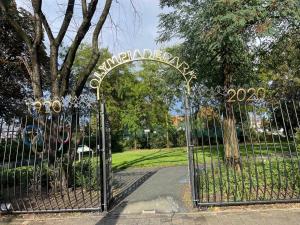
{"x": 87, "y": 174}
{"x": 297, "y": 137}
{"x": 29, "y": 177}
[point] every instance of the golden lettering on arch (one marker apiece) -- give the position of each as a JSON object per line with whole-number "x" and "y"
{"x": 167, "y": 57}
{"x": 125, "y": 57}
{"x": 111, "y": 62}
{"x": 99, "y": 76}
{"x": 190, "y": 74}
{"x": 94, "y": 83}
{"x": 137, "y": 54}
{"x": 158, "y": 55}
{"x": 174, "y": 62}
{"x": 183, "y": 67}
{"x": 129, "y": 53}
{"x": 147, "y": 54}
{"x": 103, "y": 67}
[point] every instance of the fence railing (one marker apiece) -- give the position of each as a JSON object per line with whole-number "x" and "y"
{"x": 51, "y": 161}
{"x": 246, "y": 152}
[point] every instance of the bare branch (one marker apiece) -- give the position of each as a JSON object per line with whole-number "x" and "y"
{"x": 100, "y": 23}
{"x": 47, "y": 28}
{"x": 34, "y": 51}
{"x": 37, "y": 9}
{"x": 134, "y": 8}
{"x": 82, "y": 30}
{"x": 84, "y": 8}
{"x": 66, "y": 22}
{"x": 26, "y": 64}
{"x": 96, "y": 54}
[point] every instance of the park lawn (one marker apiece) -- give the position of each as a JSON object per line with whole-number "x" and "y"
{"x": 149, "y": 158}
{"x": 178, "y": 156}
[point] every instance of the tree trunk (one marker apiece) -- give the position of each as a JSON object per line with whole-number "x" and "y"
{"x": 36, "y": 75}
{"x": 231, "y": 148}
{"x": 232, "y": 156}
{"x": 135, "y": 142}
{"x": 167, "y": 134}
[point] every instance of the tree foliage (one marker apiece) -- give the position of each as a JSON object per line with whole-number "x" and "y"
{"x": 14, "y": 77}
{"x": 138, "y": 96}
{"x": 220, "y": 38}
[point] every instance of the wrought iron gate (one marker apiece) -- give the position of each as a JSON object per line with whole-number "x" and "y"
{"x": 106, "y": 160}
{"x": 56, "y": 158}
{"x": 245, "y": 149}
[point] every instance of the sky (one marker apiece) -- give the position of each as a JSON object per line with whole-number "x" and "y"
{"x": 132, "y": 24}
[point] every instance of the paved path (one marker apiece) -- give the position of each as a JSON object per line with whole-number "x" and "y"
{"x": 249, "y": 217}
{"x": 161, "y": 200}
{"x": 163, "y": 192}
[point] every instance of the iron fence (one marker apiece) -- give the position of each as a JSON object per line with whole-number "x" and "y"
{"x": 246, "y": 152}
{"x": 52, "y": 158}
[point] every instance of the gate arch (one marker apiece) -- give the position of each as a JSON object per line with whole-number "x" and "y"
{"x": 145, "y": 55}
{"x": 165, "y": 58}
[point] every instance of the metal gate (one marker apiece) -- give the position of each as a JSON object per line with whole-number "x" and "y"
{"x": 245, "y": 147}
{"x": 56, "y": 158}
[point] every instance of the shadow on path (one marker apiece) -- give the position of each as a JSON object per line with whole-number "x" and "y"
{"x": 118, "y": 205}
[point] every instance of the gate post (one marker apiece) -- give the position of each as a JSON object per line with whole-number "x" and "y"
{"x": 103, "y": 159}
{"x": 190, "y": 151}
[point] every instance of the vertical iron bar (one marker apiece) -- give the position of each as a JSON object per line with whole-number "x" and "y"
{"x": 15, "y": 168}
{"x": 289, "y": 148}
{"x": 282, "y": 153}
{"x": 103, "y": 159}
{"x": 8, "y": 164}
{"x": 261, "y": 155}
{"x": 190, "y": 149}
{"x": 75, "y": 153}
{"x": 277, "y": 161}
{"x": 246, "y": 151}
{"x": 211, "y": 160}
{"x": 219, "y": 162}
{"x": 270, "y": 163}
{"x": 253, "y": 151}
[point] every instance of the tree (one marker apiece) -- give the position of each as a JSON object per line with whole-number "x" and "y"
{"x": 60, "y": 75}
{"x": 280, "y": 70}
{"x": 14, "y": 78}
{"x": 219, "y": 43}
{"x": 137, "y": 97}
{"x": 147, "y": 100}
{"x": 62, "y": 80}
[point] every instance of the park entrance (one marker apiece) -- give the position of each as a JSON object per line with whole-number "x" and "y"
{"x": 58, "y": 157}
{"x": 242, "y": 146}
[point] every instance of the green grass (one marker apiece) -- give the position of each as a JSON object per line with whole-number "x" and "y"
{"x": 178, "y": 156}
{"x": 276, "y": 176}
{"x": 149, "y": 158}
{"x": 261, "y": 180}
